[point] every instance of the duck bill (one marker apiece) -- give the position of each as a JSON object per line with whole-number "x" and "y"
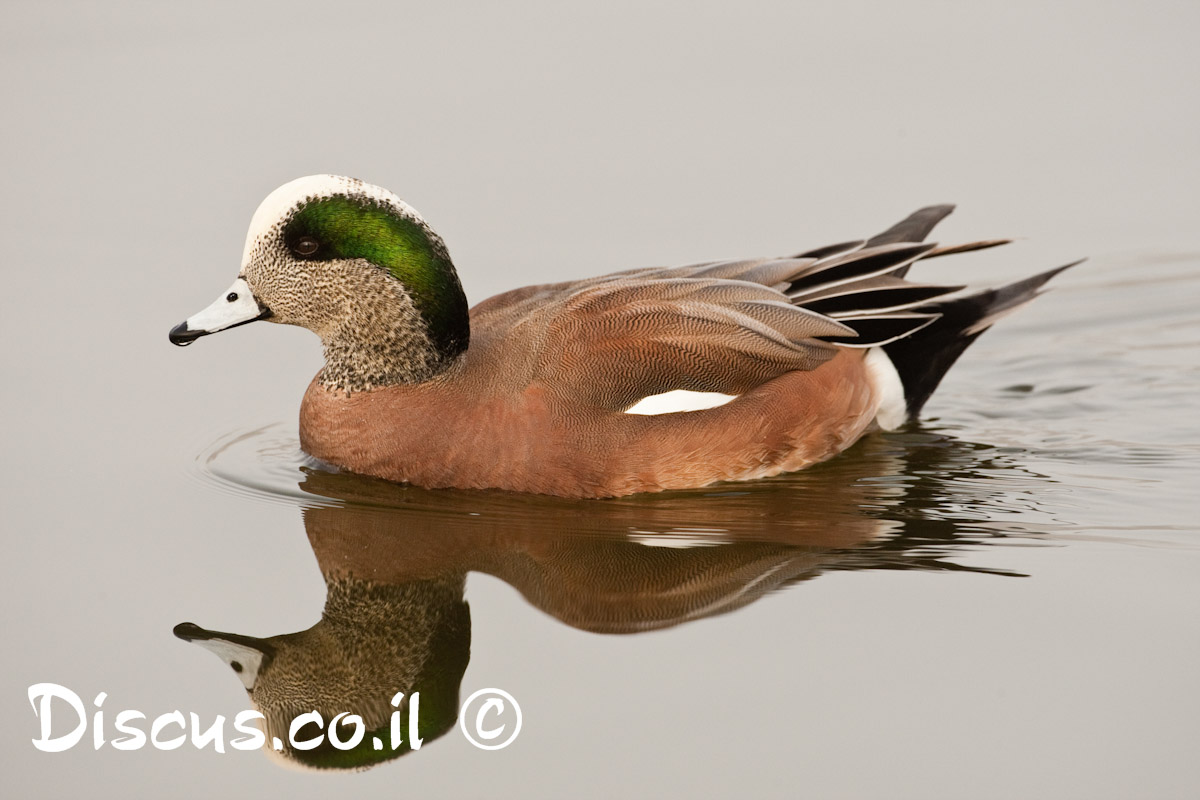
{"x": 236, "y": 306}
{"x": 245, "y": 654}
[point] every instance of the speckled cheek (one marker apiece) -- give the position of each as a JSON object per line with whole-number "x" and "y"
{"x": 280, "y": 287}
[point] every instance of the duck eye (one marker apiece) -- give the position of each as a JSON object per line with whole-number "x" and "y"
{"x": 231, "y": 297}
{"x": 305, "y": 246}
{"x": 237, "y": 667}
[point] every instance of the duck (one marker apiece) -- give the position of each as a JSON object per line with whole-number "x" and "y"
{"x": 645, "y": 380}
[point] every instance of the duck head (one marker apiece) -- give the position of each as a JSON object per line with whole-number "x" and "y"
{"x": 358, "y": 267}
{"x": 373, "y": 641}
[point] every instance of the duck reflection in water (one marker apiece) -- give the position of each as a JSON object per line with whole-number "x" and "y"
{"x": 395, "y": 560}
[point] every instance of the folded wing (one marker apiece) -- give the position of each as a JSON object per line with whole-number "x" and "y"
{"x": 724, "y": 326}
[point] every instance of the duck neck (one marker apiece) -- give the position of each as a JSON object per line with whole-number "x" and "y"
{"x": 353, "y": 602}
{"x": 360, "y": 364}
{"x": 387, "y": 343}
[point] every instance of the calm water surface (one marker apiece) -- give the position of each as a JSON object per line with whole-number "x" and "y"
{"x": 1036, "y": 448}
{"x": 999, "y": 599}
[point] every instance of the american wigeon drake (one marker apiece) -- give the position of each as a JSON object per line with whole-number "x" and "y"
{"x": 638, "y": 381}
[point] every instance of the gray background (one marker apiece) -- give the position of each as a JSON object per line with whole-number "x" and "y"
{"x": 547, "y": 141}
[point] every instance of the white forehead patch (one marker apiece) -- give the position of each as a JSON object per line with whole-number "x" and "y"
{"x": 281, "y": 201}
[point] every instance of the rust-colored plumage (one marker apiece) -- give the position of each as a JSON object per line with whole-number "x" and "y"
{"x": 814, "y": 350}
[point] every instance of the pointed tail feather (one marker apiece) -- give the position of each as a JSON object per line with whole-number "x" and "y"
{"x": 913, "y": 228}
{"x": 923, "y": 358}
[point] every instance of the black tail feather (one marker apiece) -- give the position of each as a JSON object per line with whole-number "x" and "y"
{"x": 831, "y": 249}
{"x": 913, "y": 228}
{"x": 878, "y": 331}
{"x": 856, "y": 266}
{"x": 923, "y": 358}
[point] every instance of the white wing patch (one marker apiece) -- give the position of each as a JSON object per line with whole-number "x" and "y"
{"x": 678, "y": 400}
{"x": 681, "y": 539}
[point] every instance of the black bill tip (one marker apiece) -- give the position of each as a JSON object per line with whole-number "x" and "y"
{"x": 189, "y": 631}
{"x": 182, "y": 336}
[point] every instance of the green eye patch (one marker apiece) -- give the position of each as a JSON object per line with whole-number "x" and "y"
{"x": 358, "y": 228}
